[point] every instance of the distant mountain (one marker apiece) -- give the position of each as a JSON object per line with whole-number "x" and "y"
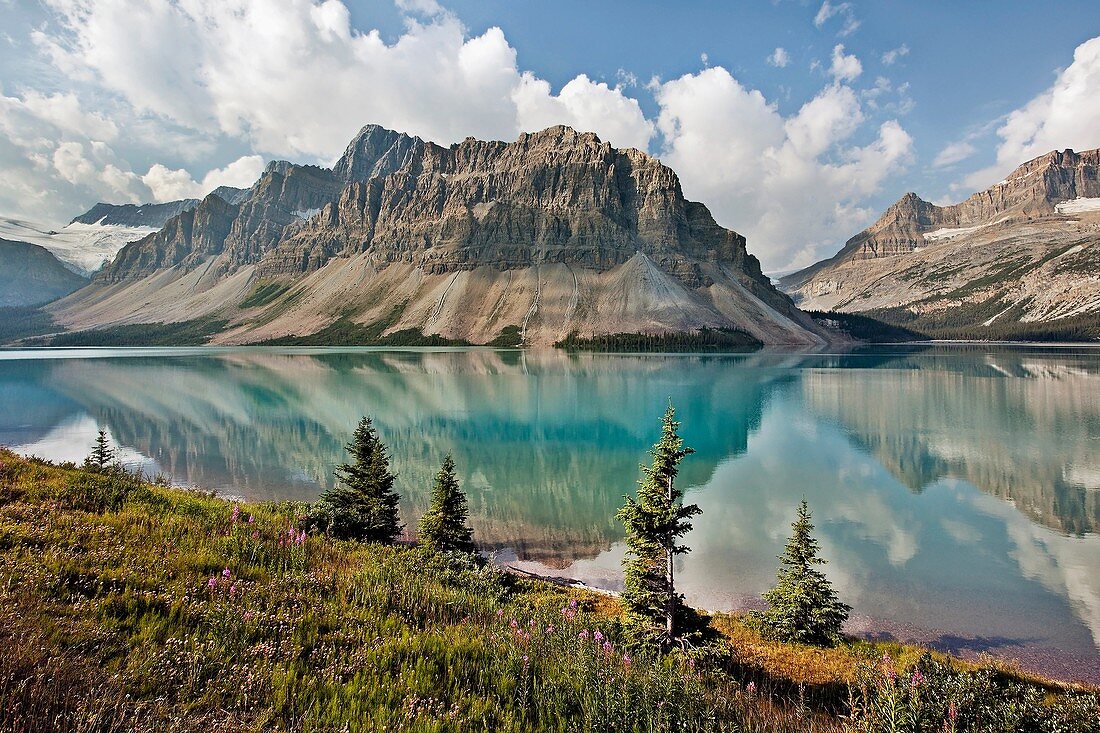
{"x": 1020, "y": 257}
{"x": 94, "y": 237}
{"x": 134, "y": 215}
{"x": 555, "y": 233}
{"x": 31, "y": 275}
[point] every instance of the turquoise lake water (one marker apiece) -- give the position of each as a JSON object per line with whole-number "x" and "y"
{"x": 956, "y": 489}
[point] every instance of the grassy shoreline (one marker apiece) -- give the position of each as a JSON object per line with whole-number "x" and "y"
{"x": 128, "y": 605}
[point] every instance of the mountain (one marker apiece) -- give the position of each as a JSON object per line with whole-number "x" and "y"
{"x": 31, "y": 275}
{"x": 555, "y": 233}
{"x": 134, "y": 215}
{"x": 1021, "y": 257}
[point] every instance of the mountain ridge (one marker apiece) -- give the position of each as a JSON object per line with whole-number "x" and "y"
{"x": 553, "y": 233}
{"x": 1025, "y": 250}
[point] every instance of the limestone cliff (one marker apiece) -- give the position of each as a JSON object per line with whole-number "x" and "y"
{"x": 555, "y": 232}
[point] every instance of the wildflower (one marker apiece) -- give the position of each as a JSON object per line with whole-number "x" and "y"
{"x": 514, "y": 624}
{"x": 597, "y": 636}
{"x": 751, "y": 688}
{"x": 607, "y": 646}
{"x": 583, "y": 634}
{"x": 255, "y": 534}
{"x": 524, "y": 659}
{"x": 531, "y": 623}
{"x": 626, "y": 660}
{"x": 226, "y": 573}
{"x": 691, "y": 662}
{"x": 573, "y": 604}
{"x": 916, "y": 679}
{"x": 550, "y": 629}
{"x": 213, "y": 582}
{"x": 251, "y": 519}
{"x": 301, "y": 537}
{"x": 249, "y": 615}
{"x": 236, "y": 514}
{"x": 233, "y": 589}
{"x": 888, "y": 670}
{"x": 500, "y": 612}
{"x": 952, "y": 713}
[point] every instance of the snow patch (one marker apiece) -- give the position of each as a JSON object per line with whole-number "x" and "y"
{"x": 1078, "y": 206}
{"x": 306, "y": 213}
{"x": 951, "y": 233}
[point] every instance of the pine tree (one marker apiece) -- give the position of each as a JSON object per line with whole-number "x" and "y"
{"x": 363, "y": 504}
{"x": 102, "y": 456}
{"x": 654, "y": 522}
{"x": 803, "y": 607}
{"x": 443, "y": 527}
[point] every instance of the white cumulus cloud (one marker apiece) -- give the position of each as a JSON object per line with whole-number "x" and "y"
{"x": 845, "y": 67}
{"x": 1067, "y": 115}
{"x": 295, "y": 78}
{"x": 794, "y": 186}
{"x": 169, "y": 185}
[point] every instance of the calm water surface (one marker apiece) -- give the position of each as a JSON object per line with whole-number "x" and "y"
{"x": 956, "y": 489}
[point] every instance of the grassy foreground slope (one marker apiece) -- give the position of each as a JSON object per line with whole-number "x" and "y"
{"x": 126, "y": 605}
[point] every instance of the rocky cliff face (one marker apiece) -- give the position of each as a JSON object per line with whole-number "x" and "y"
{"x": 1031, "y": 191}
{"x": 1024, "y": 249}
{"x": 554, "y": 210}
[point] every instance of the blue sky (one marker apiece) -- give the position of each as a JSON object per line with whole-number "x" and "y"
{"x": 798, "y": 149}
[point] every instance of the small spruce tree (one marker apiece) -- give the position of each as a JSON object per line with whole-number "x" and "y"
{"x": 103, "y": 455}
{"x": 363, "y": 504}
{"x": 443, "y": 527}
{"x": 803, "y": 607}
{"x": 654, "y": 522}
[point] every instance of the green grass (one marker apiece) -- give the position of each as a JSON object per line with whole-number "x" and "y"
{"x": 264, "y": 293}
{"x": 183, "y": 333}
{"x": 704, "y": 339}
{"x": 126, "y": 605}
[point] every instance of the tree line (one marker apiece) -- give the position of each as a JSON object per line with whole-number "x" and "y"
{"x": 363, "y": 506}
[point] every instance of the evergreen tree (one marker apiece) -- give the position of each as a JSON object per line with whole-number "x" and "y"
{"x": 362, "y": 505}
{"x": 102, "y": 456}
{"x": 443, "y": 527}
{"x": 803, "y": 607}
{"x": 654, "y": 522}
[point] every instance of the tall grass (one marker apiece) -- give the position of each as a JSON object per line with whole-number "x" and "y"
{"x": 126, "y": 605}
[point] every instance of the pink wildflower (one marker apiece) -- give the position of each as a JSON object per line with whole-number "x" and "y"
{"x": 251, "y": 519}
{"x": 233, "y": 589}
{"x": 226, "y": 573}
{"x": 249, "y": 615}
{"x": 514, "y": 624}
{"x": 500, "y": 612}
{"x": 751, "y": 688}
{"x": 916, "y": 679}
{"x": 597, "y": 636}
{"x": 301, "y": 538}
{"x": 626, "y": 660}
{"x": 213, "y": 582}
{"x": 550, "y": 629}
{"x": 888, "y": 670}
{"x": 255, "y": 534}
{"x": 607, "y": 646}
{"x": 573, "y": 604}
{"x": 236, "y": 513}
{"x": 583, "y": 634}
{"x": 952, "y": 713}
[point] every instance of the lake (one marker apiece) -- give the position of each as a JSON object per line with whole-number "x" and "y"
{"x": 956, "y": 489}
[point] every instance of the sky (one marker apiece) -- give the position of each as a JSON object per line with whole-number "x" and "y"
{"x": 796, "y": 122}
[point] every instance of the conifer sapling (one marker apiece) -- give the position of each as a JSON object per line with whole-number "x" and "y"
{"x": 363, "y": 504}
{"x": 803, "y": 607}
{"x": 654, "y": 523}
{"x": 443, "y": 527}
